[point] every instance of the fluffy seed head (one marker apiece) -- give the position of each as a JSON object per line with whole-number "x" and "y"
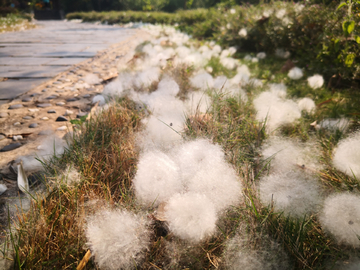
{"x": 295, "y": 73}
{"x": 315, "y": 81}
{"x": 242, "y": 32}
{"x": 157, "y": 178}
{"x": 347, "y": 156}
{"x": 341, "y": 217}
{"x": 306, "y": 104}
{"x": 191, "y": 216}
{"x": 290, "y": 193}
{"x": 117, "y": 239}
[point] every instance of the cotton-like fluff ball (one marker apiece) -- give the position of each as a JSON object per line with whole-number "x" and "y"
{"x": 341, "y": 217}
{"x": 332, "y": 124}
{"x": 221, "y": 83}
{"x": 219, "y": 183}
{"x": 168, "y": 86}
{"x": 146, "y": 77}
{"x": 295, "y": 73}
{"x": 287, "y": 154}
{"x": 307, "y": 104}
{"x": 197, "y": 102}
{"x": 280, "y": 13}
{"x": 161, "y": 104}
{"x": 182, "y": 51}
{"x": 198, "y": 154}
{"x": 157, "y": 178}
{"x": 236, "y": 91}
{"x": 347, "y": 156}
{"x": 254, "y": 60}
{"x": 254, "y": 253}
{"x": 275, "y": 111}
{"x": 114, "y": 88}
{"x": 248, "y": 57}
{"x": 202, "y": 80}
{"x": 290, "y": 193}
{"x": 191, "y": 216}
{"x": 282, "y": 53}
{"x": 315, "y": 81}
{"x": 117, "y": 239}
{"x": 228, "y": 62}
{"x": 217, "y": 49}
{"x": 163, "y": 131}
{"x": 261, "y": 55}
{"x": 242, "y": 32}
{"x": 100, "y": 99}
{"x": 278, "y": 89}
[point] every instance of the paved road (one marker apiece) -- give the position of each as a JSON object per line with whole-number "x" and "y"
{"x": 28, "y": 58}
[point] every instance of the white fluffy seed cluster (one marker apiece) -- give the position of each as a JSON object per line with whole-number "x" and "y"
{"x": 291, "y": 187}
{"x": 117, "y": 239}
{"x": 195, "y": 183}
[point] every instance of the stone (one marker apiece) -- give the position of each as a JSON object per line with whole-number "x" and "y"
{"x": 52, "y": 97}
{"x": 3, "y": 114}
{"x": 71, "y": 99}
{"x": 79, "y": 115}
{"x": 15, "y": 106}
{"x": 34, "y": 125}
{"x": 26, "y": 99}
{"x": 27, "y": 117}
{"x": 60, "y": 103}
{"x": 44, "y": 90}
{"x": 10, "y": 147}
{"x": 56, "y": 82}
{"x": 33, "y": 110}
{"x": 44, "y": 105}
{"x": 51, "y": 111}
{"x": 60, "y": 91}
{"x": 87, "y": 96}
{"x": 34, "y": 95}
{"x": 68, "y": 112}
{"x": 17, "y": 137}
{"x": 17, "y": 123}
{"x": 62, "y": 128}
{"x": 2, "y": 137}
{"x": 46, "y": 132}
{"x": 61, "y": 119}
{"x": 91, "y": 89}
{"x": 45, "y": 118}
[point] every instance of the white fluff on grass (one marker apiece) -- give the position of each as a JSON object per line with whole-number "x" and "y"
{"x": 341, "y": 217}
{"x": 203, "y": 81}
{"x": 162, "y": 104}
{"x": 278, "y": 89}
{"x": 182, "y": 51}
{"x": 195, "y": 155}
{"x": 293, "y": 193}
{"x": 346, "y": 156}
{"x": 197, "y": 102}
{"x": 237, "y": 91}
{"x": 242, "y": 32}
{"x": 282, "y": 53}
{"x": 341, "y": 124}
{"x": 162, "y": 131}
{"x": 275, "y": 111}
{"x": 315, "y": 81}
{"x": 168, "y": 86}
{"x": 117, "y": 239}
{"x": 288, "y": 154}
{"x": 254, "y": 253}
{"x": 221, "y": 83}
{"x": 306, "y": 104}
{"x": 295, "y": 73}
{"x": 261, "y": 55}
{"x": 220, "y": 184}
{"x": 100, "y": 99}
{"x": 228, "y": 62}
{"x": 146, "y": 77}
{"x": 157, "y": 178}
{"x": 191, "y": 216}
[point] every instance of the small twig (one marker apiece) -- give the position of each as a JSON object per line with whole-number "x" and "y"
{"x": 84, "y": 260}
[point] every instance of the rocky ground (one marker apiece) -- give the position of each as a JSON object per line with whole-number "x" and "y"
{"x": 47, "y": 109}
